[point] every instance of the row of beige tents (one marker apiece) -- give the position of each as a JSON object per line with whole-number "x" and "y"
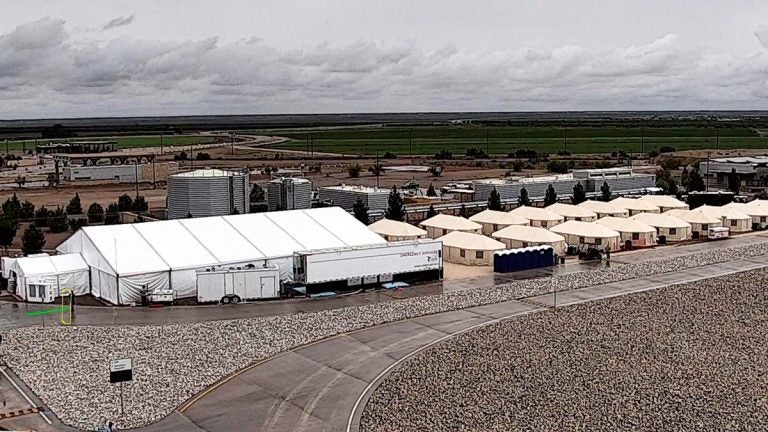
{"x": 639, "y": 221}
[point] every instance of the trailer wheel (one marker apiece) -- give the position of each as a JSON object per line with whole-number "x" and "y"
{"x": 235, "y": 299}
{"x": 225, "y": 300}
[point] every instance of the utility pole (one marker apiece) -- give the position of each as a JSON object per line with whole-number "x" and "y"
{"x": 487, "y": 151}
{"x": 377, "y": 168}
{"x": 565, "y": 139}
{"x": 161, "y": 145}
{"x": 232, "y": 138}
{"x": 410, "y": 145}
{"x": 307, "y": 145}
{"x": 717, "y": 142}
{"x": 642, "y": 139}
{"x": 136, "y": 175}
{"x": 191, "y": 159}
{"x": 709, "y": 154}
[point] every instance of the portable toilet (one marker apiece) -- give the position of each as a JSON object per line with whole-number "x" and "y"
{"x": 497, "y": 262}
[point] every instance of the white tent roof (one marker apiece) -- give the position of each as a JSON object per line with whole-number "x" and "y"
{"x": 390, "y": 227}
{"x": 724, "y": 212}
{"x": 499, "y": 218}
{"x": 51, "y": 265}
{"x": 535, "y": 213}
{"x": 528, "y": 234}
{"x": 666, "y": 201}
{"x": 694, "y": 216}
{"x": 749, "y": 208}
{"x": 661, "y": 220}
{"x": 584, "y": 229}
{"x": 604, "y": 207}
{"x": 188, "y": 243}
{"x": 450, "y": 222}
{"x": 634, "y": 204}
{"x": 570, "y": 210}
{"x": 626, "y": 225}
{"x": 471, "y": 241}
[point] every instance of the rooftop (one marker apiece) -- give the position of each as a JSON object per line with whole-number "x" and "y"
{"x": 207, "y": 173}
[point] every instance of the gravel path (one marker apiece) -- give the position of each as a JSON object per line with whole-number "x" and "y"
{"x": 683, "y": 358}
{"x": 68, "y": 367}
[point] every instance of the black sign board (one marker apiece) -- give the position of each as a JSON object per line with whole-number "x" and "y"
{"x": 120, "y": 371}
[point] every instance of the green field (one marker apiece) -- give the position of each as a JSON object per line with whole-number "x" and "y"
{"x": 122, "y": 142}
{"x": 503, "y": 140}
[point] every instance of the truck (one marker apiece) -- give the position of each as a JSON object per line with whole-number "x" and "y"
{"x": 233, "y": 285}
{"x": 368, "y": 264}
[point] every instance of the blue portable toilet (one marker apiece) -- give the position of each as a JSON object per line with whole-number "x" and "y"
{"x": 527, "y": 258}
{"x": 519, "y": 259}
{"x": 549, "y": 256}
{"x": 496, "y": 262}
{"x": 506, "y": 259}
{"x": 512, "y": 257}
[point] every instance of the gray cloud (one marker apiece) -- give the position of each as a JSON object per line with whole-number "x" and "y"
{"x": 118, "y": 22}
{"x": 45, "y": 72}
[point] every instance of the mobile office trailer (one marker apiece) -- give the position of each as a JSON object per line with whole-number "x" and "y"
{"x": 717, "y": 233}
{"x": 235, "y": 285}
{"x": 368, "y": 264}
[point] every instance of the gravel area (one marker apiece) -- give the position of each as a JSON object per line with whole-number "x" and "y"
{"x": 682, "y": 358}
{"x": 68, "y": 367}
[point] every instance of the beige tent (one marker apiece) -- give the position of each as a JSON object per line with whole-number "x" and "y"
{"x": 672, "y": 228}
{"x": 633, "y": 231}
{"x": 469, "y": 248}
{"x": 539, "y": 217}
{"x": 572, "y": 212}
{"x": 756, "y": 209}
{"x": 604, "y": 209}
{"x": 665, "y": 202}
{"x": 396, "y": 231}
{"x": 517, "y": 236}
{"x": 588, "y": 234}
{"x": 635, "y": 205}
{"x": 734, "y": 220}
{"x": 443, "y": 224}
{"x": 700, "y": 221}
{"x": 493, "y": 220}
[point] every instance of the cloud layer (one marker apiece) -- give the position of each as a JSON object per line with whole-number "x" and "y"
{"x": 46, "y": 72}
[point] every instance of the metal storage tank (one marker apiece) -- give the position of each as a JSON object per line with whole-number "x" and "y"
{"x": 208, "y": 192}
{"x": 289, "y": 193}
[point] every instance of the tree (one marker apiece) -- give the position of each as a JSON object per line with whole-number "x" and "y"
{"x": 377, "y": 169}
{"x": 734, "y": 183}
{"x": 551, "y": 196}
{"x": 431, "y": 191}
{"x": 57, "y": 221}
{"x": 665, "y": 182}
{"x": 431, "y": 212}
{"x": 605, "y": 189}
{"x": 518, "y": 165}
{"x": 354, "y": 170}
{"x": 557, "y": 166}
{"x": 180, "y": 157}
{"x": 695, "y": 182}
{"x": 27, "y": 211}
{"x": 463, "y": 211}
{"x": 112, "y": 215}
{"x": 21, "y": 180}
{"x": 395, "y": 207}
{"x": 523, "y": 199}
{"x": 360, "y": 210}
{"x": 494, "y": 200}
{"x": 75, "y": 207}
{"x": 77, "y": 223}
{"x": 684, "y": 177}
{"x": 95, "y": 213}
{"x": 32, "y": 241}
{"x": 41, "y": 217}
{"x": 579, "y": 194}
{"x": 52, "y": 179}
{"x": 12, "y": 207}
{"x": 140, "y": 204}
{"x": 124, "y": 203}
{"x": 8, "y": 228}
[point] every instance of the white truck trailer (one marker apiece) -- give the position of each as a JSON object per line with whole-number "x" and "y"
{"x": 368, "y": 264}
{"x": 235, "y": 285}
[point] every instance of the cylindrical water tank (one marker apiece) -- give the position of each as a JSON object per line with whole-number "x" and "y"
{"x": 208, "y": 192}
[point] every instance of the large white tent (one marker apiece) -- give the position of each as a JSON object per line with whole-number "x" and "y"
{"x": 469, "y": 248}
{"x": 756, "y": 209}
{"x": 539, "y": 217}
{"x": 700, "y": 221}
{"x": 442, "y": 224}
{"x": 604, "y": 209}
{"x": 634, "y": 231}
{"x": 167, "y": 254}
{"x": 572, "y": 212}
{"x": 635, "y": 205}
{"x": 516, "y": 236}
{"x": 665, "y": 202}
{"x": 588, "y": 234}
{"x": 671, "y": 227}
{"x": 40, "y": 278}
{"x": 735, "y": 220}
{"x": 393, "y": 230}
{"x": 493, "y": 220}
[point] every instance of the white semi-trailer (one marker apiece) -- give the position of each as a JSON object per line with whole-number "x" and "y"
{"x": 368, "y": 264}
{"x": 236, "y": 285}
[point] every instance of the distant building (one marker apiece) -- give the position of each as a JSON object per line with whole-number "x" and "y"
{"x": 77, "y": 147}
{"x": 289, "y": 193}
{"x": 345, "y": 196}
{"x": 752, "y": 171}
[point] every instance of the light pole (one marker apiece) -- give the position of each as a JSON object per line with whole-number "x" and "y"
{"x": 709, "y": 154}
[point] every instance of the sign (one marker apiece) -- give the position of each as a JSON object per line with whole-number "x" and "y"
{"x": 120, "y": 370}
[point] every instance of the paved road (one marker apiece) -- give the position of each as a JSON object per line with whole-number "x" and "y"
{"x": 314, "y": 388}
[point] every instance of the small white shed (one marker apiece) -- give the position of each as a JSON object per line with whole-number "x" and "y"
{"x": 443, "y": 224}
{"x": 572, "y": 212}
{"x": 517, "y": 236}
{"x": 672, "y": 228}
{"x": 588, "y": 234}
{"x": 493, "y": 220}
{"x": 539, "y": 217}
{"x": 41, "y": 279}
{"x": 633, "y": 231}
{"x": 469, "y": 248}
{"x": 393, "y": 230}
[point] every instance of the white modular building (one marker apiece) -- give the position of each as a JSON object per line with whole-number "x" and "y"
{"x": 125, "y": 260}
{"x": 41, "y": 278}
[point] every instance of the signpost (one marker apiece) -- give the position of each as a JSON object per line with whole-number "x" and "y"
{"x": 119, "y": 371}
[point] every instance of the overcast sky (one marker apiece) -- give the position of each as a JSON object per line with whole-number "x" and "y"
{"x": 72, "y": 58}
